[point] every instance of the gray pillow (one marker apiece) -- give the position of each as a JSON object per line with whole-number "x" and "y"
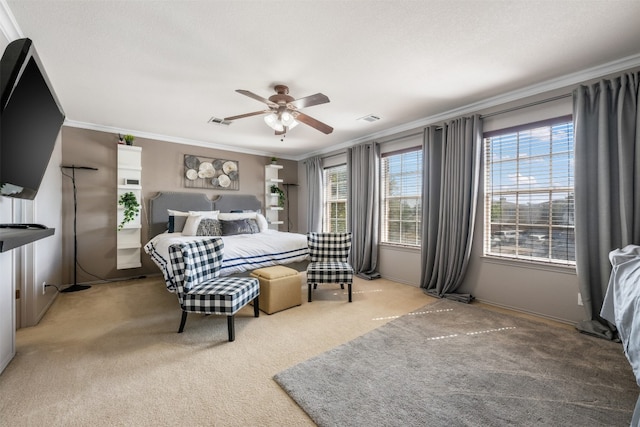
{"x": 209, "y": 227}
{"x": 239, "y": 226}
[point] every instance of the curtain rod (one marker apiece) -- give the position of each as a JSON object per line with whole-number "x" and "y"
{"x": 531, "y": 104}
{"x": 334, "y": 155}
{"x": 329, "y": 156}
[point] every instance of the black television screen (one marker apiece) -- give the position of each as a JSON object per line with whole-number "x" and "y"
{"x": 30, "y": 120}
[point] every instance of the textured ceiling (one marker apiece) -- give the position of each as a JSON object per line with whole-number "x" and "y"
{"x": 162, "y": 69}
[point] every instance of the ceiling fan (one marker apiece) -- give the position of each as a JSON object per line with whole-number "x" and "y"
{"x": 283, "y": 112}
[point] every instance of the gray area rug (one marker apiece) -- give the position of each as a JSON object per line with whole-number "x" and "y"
{"x": 452, "y": 364}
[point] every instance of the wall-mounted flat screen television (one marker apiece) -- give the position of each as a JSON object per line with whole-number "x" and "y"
{"x": 30, "y": 120}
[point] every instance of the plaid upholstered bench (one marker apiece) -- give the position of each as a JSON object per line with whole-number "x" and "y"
{"x": 280, "y": 288}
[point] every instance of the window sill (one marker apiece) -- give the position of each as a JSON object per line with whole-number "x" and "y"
{"x": 396, "y": 246}
{"x": 534, "y": 265}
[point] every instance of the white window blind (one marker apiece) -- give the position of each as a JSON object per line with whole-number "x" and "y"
{"x": 529, "y": 196}
{"x": 401, "y": 175}
{"x": 335, "y": 196}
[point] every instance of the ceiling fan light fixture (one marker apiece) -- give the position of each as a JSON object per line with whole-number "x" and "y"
{"x": 286, "y": 118}
{"x": 279, "y": 124}
{"x": 271, "y": 120}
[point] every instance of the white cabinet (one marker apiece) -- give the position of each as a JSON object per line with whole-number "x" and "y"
{"x": 129, "y": 180}
{"x": 271, "y": 206}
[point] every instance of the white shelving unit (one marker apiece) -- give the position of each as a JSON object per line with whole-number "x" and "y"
{"x": 128, "y": 239}
{"x": 271, "y": 208}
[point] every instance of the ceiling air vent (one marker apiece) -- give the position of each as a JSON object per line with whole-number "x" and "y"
{"x": 370, "y": 118}
{"x": 218, "y": 121}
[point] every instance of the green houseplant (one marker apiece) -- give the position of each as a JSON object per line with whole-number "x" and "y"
{"x": 128, "y": 139}
{"x": 281, "y": 197}
{"x": 131, "y": 208}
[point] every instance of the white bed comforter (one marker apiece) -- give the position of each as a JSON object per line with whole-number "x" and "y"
{"x": 243, "y": 252}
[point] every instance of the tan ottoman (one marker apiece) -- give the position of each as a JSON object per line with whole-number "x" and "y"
{"x": 280, "y": 288}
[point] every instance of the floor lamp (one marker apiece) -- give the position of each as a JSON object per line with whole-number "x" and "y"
{"x": 286, "y": 186}
{"x": 75, "y": 287}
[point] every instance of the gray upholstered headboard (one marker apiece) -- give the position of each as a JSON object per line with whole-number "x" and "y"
{"x": 236, "y": 202}
{"x": 159, "y": 204}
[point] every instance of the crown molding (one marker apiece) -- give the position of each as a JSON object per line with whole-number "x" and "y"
{"x": 165, "y": 138}
{"x": 8, "y": 24}
{"x": 565, "y": 81}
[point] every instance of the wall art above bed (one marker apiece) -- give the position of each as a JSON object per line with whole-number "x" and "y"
{"x": 216, "y": 174}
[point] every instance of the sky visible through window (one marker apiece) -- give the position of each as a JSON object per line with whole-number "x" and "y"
{"x": 535, "y": 160}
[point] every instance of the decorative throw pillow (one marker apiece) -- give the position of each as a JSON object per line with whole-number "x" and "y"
{"x": 209, "y": 227}
{"x": 236, "y": 215}
{"x": 239, "y": 226}
{"x": 191, "y": 225}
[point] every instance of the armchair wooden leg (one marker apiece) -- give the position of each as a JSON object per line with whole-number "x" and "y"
{"x": 341, "y": 285}
{"x": 309, "y": 298}
{"x": 256, "y": 307}
{"x": 231, "y": 328}
{"x": 183, "y": 321}
{"x": 349, "y": 292}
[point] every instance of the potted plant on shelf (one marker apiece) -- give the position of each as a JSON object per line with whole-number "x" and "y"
{"x": 131, "y": 208}
{"x": 128, "y": 139}
{"x": 281, "y": 197}
{"x": 274, "y": 160}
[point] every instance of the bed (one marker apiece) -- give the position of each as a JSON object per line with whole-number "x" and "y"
{"x": 242, "y": 252}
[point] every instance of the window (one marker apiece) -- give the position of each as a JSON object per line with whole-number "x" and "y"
{"x": 401, "y": 197}
{"x": 529, "y": 206}
{"x": 335, "y": 199}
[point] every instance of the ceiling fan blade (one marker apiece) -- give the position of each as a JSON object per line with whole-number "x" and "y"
{"x": 241, "y": 116}
{"x": 310, "y": 121}
{"x": 256, "y": 97}
{"x": 310, "y": 101}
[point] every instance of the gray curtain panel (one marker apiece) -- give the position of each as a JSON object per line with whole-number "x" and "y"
{"x": 363, "y": 172}
{"x": 607, "y": 186}
{"x": 451, "y": 176}
{"x": 315, "y": 187}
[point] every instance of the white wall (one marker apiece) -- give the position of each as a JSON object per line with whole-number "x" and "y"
{"x": 42, "y": 260}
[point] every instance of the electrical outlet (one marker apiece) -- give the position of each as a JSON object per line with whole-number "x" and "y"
{"x": 44, "y": 288}
{"x": 580, "y": 299}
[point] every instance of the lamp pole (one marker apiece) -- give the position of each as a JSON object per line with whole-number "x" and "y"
{"x": 75, "y": 287}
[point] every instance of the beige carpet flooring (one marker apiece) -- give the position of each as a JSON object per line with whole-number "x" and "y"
{"x": 110, "y": 356}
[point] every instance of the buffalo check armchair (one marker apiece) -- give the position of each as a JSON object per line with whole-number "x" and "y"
{"x": 196, "y": 268}
{"x": 329, "y": 253}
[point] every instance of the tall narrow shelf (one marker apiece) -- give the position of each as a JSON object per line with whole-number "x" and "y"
{"x": 129, "y": 180}
{"x": 272, "y": 210}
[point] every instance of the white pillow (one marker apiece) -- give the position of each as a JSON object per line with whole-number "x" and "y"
{"x": 206, "y": 214}
{"x": 262, "y": 222}
{"x": 236, "y": 215}
{"x": 191, "y": 225}
{"x": 172, "y": 212}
